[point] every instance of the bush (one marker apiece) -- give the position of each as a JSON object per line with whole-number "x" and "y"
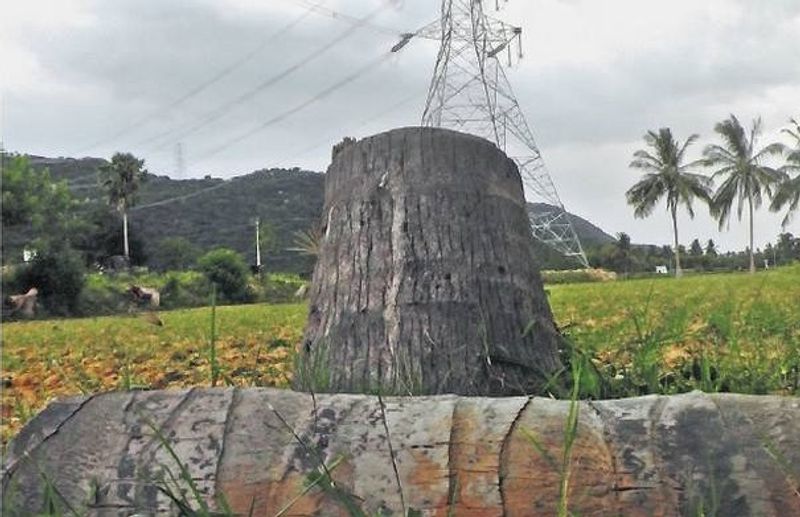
{"x": 184, "y": 289}
{"x": 59, "y": 275}
{"x": 106, "y": 294}
{"x": 227, "y": 270}
{"x": 174, "y": 254}
{"x": 103, "y": 295}
{"x": 572, "y": 276}
{"x": 276, "y": 287}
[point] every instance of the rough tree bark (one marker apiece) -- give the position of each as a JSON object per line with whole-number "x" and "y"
{"x": 690, "y": 454}
{"x": 426, "y": 280}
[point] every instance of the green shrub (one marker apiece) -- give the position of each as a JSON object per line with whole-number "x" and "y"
{"x": 59, "y": 275}
{"x": 106, "y": 294}
{"x": 184, "y": 289}
{"x": 11, "y": 279}
{"x": 227, "y": 270}
{"x": 276, "y": 287}
{"x": 103, "y": 295}
{"x": 174, "y": 253}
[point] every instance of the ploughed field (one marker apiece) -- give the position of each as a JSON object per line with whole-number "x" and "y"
{"x": 722, "y": 332}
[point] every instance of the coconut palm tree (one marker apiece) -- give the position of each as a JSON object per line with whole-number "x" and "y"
{"x": 788, "y": 192}
{"x": 667, "y": 176}
{"x": 121, "y": 179}
{"x": 747, "y": 179}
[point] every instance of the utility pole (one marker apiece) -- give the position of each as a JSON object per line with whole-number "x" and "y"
{"x": 258, "y": 244}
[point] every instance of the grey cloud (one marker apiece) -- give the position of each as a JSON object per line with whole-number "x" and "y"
{"x": 588, "y": 119}
{"x": 675, "y": 83}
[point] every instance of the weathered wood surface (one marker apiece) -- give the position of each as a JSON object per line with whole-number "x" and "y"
{"x": 426, "y": 279}
{"x": 647, "y": 456}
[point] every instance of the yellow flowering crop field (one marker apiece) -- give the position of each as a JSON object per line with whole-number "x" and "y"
{"x": 49, "y": 359}
{"x": 718, "y": 332}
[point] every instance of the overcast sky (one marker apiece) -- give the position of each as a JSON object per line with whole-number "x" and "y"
{"x": 90, "y": 77}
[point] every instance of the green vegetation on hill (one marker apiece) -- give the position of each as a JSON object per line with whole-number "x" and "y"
{"x": 212, "y": 212}
{"x": 224, "y": 215}
{"x": 208, "y": 213}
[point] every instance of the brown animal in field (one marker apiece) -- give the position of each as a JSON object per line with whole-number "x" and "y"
{"x": 25, "y": 304}
{"x": 145, "y": 295}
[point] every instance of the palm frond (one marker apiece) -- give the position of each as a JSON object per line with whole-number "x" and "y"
{"x": 723, "y": 199}
{"x": 689, "y": 141}
{"x": 793, "y": 132}
{"x": 715, "y": 154}
{"x": 734, "y": 136}
{"x": 728, "y": 169}
{"x": 645, "y": 161}
{"x": 644, "y": 195}
{"x": 787, "y": 195}
{"x": 754, "y": 132}
{"x": 775, "y": 149}
{"x": 693, "y": 165}
{"x": 308, "y": 242}
{"x": 793, "y": 160}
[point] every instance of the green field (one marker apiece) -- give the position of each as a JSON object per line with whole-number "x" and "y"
{"x": 725, "y": 332}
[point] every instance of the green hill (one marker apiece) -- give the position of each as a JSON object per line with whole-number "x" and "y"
{"x": 213, "y": 212}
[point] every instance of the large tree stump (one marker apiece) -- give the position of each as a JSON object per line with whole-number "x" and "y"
{"x": 426, "y": 281}
{"x": 692, "y": 454}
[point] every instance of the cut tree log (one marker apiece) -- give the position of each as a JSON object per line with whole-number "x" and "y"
{"x": 441, "y": 455}
{"x": 426, "y": 280}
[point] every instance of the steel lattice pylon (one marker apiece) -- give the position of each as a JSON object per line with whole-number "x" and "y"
{"x": 470, "y": 92}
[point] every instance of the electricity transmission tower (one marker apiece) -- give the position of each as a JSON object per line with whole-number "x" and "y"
{"x": 470, "y": 92}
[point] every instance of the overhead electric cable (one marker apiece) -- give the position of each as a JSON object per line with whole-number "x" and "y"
{"x": 340, "y": 16}
{"x": 221, "y": 74}
{"x": 357, "y": 125}
{"x": 327, "y": 91}
{"x": 224, "y": 109}
{"x": 181, "y": 197}
{"x": 283, "y": 115}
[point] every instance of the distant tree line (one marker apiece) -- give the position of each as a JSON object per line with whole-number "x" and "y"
{"x": 746, "y": 179}
{"x": 632, "y": 259}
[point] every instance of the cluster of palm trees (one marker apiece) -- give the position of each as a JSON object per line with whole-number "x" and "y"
{"x": 746, "y": 178}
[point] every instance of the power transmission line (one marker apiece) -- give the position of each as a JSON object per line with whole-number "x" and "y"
{"x": 343, "y": 17}
{"x": 181, "y": 197}
{"x": 221, "y": 74}
{"x": 358, "y": 125}
{"x": 196, "y": 193}
{"x": 278, "y": 118}
{"x": 224, "y": 109}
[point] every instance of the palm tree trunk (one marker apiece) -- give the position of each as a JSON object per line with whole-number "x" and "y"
{"x": 414, "y": 289}
{"x": 752, "y": 258}
{"x": 678, "y": 271}
{"x": 457, "y": 455}
{"x": 125, "y": 235}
